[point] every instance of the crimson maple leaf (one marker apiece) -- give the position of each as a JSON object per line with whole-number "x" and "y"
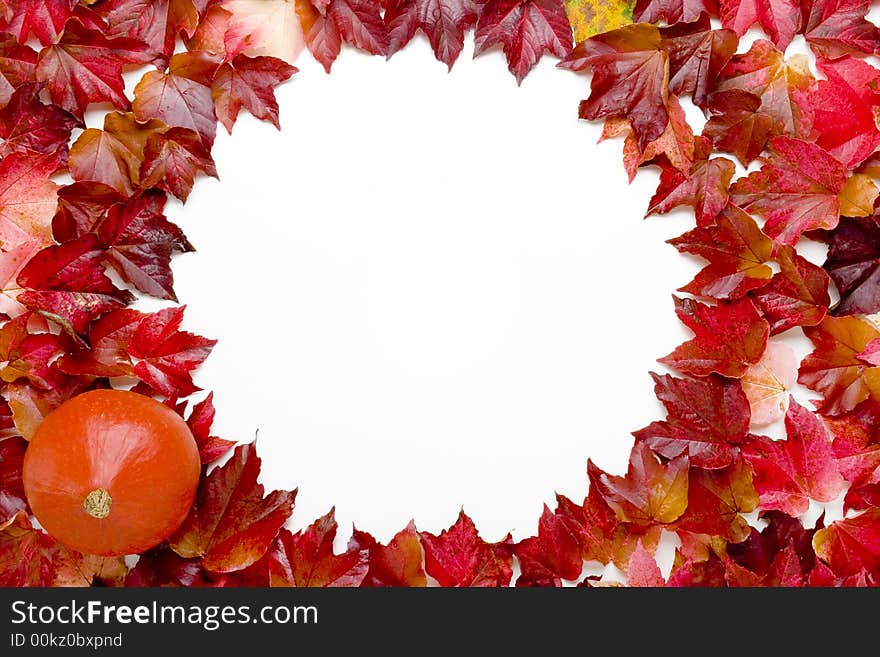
{"x": 727, "y": 338}
{"x": 673, "y": 11}
{"x": 835, "y": 369}
{"x": 704, "y": 187}
{"x": 789, "y": 473}
{"x": 232, "y": 523}
{"x": 737, "y": 125}
{"x": 85, "y": 67}
{"x": 27, "y": 125}
{"x": 851, "y": 545}
{"x": 856, "y": 443}
{"x": 796, "y": 190}
{"x": 706, "y": 419}
{"x": 630, "y": 78}
{"x": 26, "y": 554}
{"x": 12, "y": 498}
{"x": 717, "y": 500}
{"x": 459, "y": 557}
{"x": 307, "y": 558}
{"x": 80, "y": 206}
{"x": 27, "y": 200}
{"x": 737, "y": 251}
{"x": 17, "y": 66}
{"x": 67, "y": 284}
{"x": 650, "y": 493}
{"x": 327, "y": 24}
{"x": 444, "y": 22}
{"x": 697, "y": 54}
{"x": 167, "y": 356}
{"x": 854, "y": 265}
{"x": 553, "y": 555}
{"x": 397, "y": 564}
{"x": 249, "y": 82}
{"x": 797, "y": 295}
{"x": 172, "y": 160}
{"x": 45, "y": 19}
{"x": 837, "y": 27}
{"x": 157, "y": 23}
{"x": 524, "y": 29}
{"x": 779, "y": 18}
{"x": 181, "y": 97}
{"x": 200, "y": 420}
{"x": 643, "y": 570}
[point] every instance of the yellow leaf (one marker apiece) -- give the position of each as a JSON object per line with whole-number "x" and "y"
{"x": 857, "y": 196}
{"x": 591, "y": 17}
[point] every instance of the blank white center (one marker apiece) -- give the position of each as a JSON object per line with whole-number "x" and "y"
{"x": 430, "y": 290}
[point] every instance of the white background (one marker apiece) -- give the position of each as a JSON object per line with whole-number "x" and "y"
{"x": 431, "y": 290}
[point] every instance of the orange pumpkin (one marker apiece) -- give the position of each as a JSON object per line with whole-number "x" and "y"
{"x": 111, "y": 472}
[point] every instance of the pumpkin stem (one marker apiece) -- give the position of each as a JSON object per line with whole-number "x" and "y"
{"x": 97, "y": 503}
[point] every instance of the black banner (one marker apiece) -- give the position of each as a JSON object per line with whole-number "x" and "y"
{"x": 287, "y": 621}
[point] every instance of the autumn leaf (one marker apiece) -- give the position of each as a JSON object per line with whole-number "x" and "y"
{"x": 27, "y": 200}
{"x": 44, "y": 19}
{"x": 630, "y": 79}
{"x": 797, "y": 189}
{"x": 591, "y": 17}
{"x": 30, "y": 404}
{"x": 525, "y": 29}
{"x": 737, "y": 252}
{"x": 397, "y": 564}
{"x": 851, "y": 545}
{"x": 327, "y": 25}
{"x": 551, "y": 556}
{"x": 459, "y": 557}
{"x": 789, "y": 473}
{"x": 727, "y": 338}
{"x": 172, "y": 159}
{"x": 834, "y": 28}
{"x": 650, "y": 493}
{"x": 17, "y": 66}
{"x": 26, "y": 554}
{"x": 29, "y": 126}
{"x": 256, "y": 28}
{"x": 781, "y": 84}
{"x": 767, "y": 383}
{"x": 673, "y": 11}
{"x": 643, "y": 570}
{"x": 67, "y": 284}
{"x": 75, "y": 569}
{"x": 166, "y": 355}
{"x": 697, "y": 55}
{"x": 853, "y": 263}
{"x": 85, "y": 67}
{"x": 717, "y": 500}
{"x": 200, "y": 420}
{"x": 706, "y": 420}
{"x": 737, "y": 125}
{"x": 307, "y": 558}
{"x": 834, "y": 368}
{"x": 797, "y": 295}
{"x": 444, "y": 22}
{"x": 232, "y": 524}
{"x": 12, "y": 497}
{"x": 158, "y": 24}
{"x": 779, "y": 18}
{"x": 249, "y": 82}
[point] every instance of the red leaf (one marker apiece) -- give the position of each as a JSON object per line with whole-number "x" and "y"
{"x": 779, "y": 18}
{"x": 168, "y": 355}
{"x": 727, "y": 338}
{"x": 12, "y": 499}
{"x": 307, "y": 558}
{"x": 630, "y": 78}
{"x": 80, "y": 206}
{"x": 716, "y": 501}
{"x": 697, "y": 54}
{"x": 524, "y": 29}
{"x": 249, "y": 82}
{"x": 27, "y": 200}
{"x": 86, "y": 67}
{"x": 643, "y": 570}
{"x": 672, "y": 11}
{"x": 838, "y": 27}
{"x": 789, "y": 473}
{"x": 232, "y": 524}
{"x": 17, "y": 66}
{"x": 706, "y": 419}
{"x": 650, "y": 493}
{"x": 551, "y": 556}
{"x": 854, "y": 265}
{"x": 45, "y": 19}
{"x": 26, "y": 554}
{"x": 852, "y": 545}
{"x": 796, "y": 189}
{"x": 172, "y": 159}
{"x": 737, "y": 125}
{"x": 321, "y": 35}
{"x": 459, "y": 557}
{"x": 444, "y": 22}
{"x": 157, "y": 23}
{"x": 737, "y": 252}
{"x": 67, "y": 284}
{"x": 162, "y": 567}
{"x": 397, "y": 564}
{"x": 797, "y": 295}
{"x": 182, "y": 97}
{"x": 32, "y": 127}
{"x": 834, "y": 368}
{"x": 200, "y": 420}
{"x": 107, "y": 354}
